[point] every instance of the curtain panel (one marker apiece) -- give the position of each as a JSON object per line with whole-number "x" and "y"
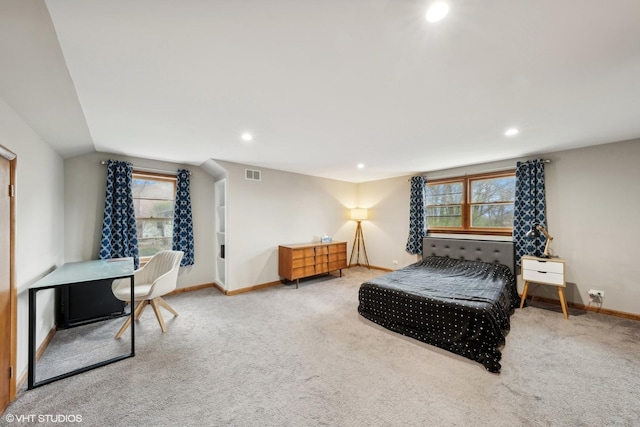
{"x": 529, "y": 208}
{"x": 183, "y": 219}
{"x": 119, "y": 235}
{"x": 417, "y": 215}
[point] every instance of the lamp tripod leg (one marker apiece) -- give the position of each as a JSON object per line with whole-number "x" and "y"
{"x": 357, "y": 242}
{"x": 364, "y": 249}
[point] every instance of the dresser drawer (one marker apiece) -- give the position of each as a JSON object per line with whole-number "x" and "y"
{"x": 339, "y": 247}
{"x": 297, "y": 254}
{"x": 337, "y": 265}
{"x": 296, "y": 273}
{"x": 301, "y": 272}
{"x": 546, "y": 266}
{"x": 322, "y": 268}
{"x": 543, "y": 277}
{"x": 322, "y": 250}
{"x": 336, "y": 257}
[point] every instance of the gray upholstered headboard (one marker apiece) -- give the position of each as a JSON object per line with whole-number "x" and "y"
{"x": 481, "y": 250}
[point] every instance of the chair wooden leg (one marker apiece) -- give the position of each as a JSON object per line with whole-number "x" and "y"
{"x": 136, "y": 314}
{"x": 155, "y": 304}
{"x": 124, "y": 327}
{"x": 166, "y": 305}
{"x": 140, "y": 308}
{"x": 156, "y": 309}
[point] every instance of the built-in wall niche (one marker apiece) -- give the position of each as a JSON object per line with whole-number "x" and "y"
{"x": 221, "y": 232}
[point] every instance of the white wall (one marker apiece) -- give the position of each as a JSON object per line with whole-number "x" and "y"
{"x": 593, "y": 205}
{"x": 39, "y": 221}
{"x": 282, "y": 208}
{"x": 387, "y": 229}
{"x": 85, "y": 182}
{"x": 584, "y": 186}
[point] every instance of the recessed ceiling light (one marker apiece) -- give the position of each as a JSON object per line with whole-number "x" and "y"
{"x": 246, "y": 136}
{"x": 360, "y": 165}
{"x": 511, "y": 132}
{"x": 437, "y": 11}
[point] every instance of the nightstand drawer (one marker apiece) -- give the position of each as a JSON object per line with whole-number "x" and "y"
{"x": 543, "y": 277}
{"x": 547, "y": 266}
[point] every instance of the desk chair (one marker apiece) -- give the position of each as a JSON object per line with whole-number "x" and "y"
{"x": 156, "y": 278}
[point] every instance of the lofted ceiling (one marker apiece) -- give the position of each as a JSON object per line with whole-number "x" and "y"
{"x": 323, "y": 85}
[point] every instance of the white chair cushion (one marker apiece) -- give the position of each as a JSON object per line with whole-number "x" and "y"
{"x": 123, "y": 292}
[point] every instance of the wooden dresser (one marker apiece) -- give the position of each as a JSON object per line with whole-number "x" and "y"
{"x": 308, "y": 259}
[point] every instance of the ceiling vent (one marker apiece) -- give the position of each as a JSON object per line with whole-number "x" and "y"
{"x": 252, "y": 175}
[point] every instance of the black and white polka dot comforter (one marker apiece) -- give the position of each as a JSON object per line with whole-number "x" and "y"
{"x": 458, "y": 305}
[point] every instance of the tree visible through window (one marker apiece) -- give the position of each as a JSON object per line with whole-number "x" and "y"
{"x": 444, "y": 204}
{"x": 478, "y": 203}
{"x": 492, "y": 202}
{"x": 153, "y": 198}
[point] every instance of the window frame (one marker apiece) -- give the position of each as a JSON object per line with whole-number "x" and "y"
{"x": 467, "y": 205}
{"x": 141, "y": 174}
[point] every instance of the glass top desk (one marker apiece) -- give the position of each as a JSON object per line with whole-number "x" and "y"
{"x": 77, "y": 273}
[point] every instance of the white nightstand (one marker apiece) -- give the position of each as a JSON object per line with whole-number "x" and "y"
{"x": 548, "y": 271}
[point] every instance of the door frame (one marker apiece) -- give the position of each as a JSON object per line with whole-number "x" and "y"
{"x": 13, "y": 301}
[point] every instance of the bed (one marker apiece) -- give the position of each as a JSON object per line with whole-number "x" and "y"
{"x": 459, "y": 297}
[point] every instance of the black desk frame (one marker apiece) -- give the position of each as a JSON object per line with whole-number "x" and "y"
{"x": 31, "y": 383}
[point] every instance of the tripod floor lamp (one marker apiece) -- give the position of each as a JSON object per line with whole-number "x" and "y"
{"x": 359, "y": 215}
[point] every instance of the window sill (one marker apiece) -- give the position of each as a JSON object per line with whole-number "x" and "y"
{"x": 484, "y": 232}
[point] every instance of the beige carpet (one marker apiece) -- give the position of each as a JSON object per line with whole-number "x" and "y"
{"x": 287, "y": 357}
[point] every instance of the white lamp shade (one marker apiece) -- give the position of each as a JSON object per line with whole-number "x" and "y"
{"x": 358, "y": 214}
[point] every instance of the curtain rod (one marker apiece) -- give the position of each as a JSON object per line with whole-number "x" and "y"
{"x": 480, "y": 172}
{"x": 151, "y": 170}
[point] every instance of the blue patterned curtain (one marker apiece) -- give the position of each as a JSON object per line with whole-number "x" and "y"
{"x": 417, "y": 215}
{"x": 119, "y": 237}
{"x": 530, "y": 208}
{"x": 182, "y": 219}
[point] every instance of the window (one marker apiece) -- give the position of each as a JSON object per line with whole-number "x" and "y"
{"x": 481, "y": 204}
{"x": 153, "y": 199}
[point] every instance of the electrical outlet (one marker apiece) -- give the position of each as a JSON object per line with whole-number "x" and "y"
{"x": 596, "y": 295}
{"x": 395, "y": 262}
